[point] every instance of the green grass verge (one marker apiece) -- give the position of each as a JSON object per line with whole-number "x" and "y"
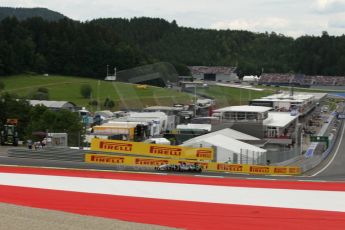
{"x": 67, "y": 88}
{"x": 125, "y": 95}
{"x": 227, "y": 96}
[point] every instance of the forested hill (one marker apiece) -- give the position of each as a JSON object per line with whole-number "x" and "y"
{"x": 24, "y": 13}
{"x": 85, "y": 48}
{"x": 251, "y": 52}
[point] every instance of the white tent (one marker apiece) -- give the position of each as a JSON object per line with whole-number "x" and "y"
{"x": 231, "y": 133}
{"x": 228, "y": 148}
{"x": 250, "y": 78}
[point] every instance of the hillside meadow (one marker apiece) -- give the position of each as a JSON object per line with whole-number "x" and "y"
{"x": 125, "y": 95}
{"x": 67, "y": 88}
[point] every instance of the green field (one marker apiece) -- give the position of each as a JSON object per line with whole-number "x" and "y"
{"x": 125, "y": 96}
{"x": 226, "y": 96}
{"x": 68, "y": 89}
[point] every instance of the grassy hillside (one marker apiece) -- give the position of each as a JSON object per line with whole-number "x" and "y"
{"x": 68, "y": 89}
{"x": 226, "y": 96}
{"x": 125, "y": 96}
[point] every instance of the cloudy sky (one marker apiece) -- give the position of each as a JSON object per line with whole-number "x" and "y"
{"x": 289, "y": 17}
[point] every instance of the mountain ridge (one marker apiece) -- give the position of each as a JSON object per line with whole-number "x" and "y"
{"x": 22, "y": 13}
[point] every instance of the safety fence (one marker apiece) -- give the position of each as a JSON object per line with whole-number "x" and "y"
{"x": 48, "y": 153}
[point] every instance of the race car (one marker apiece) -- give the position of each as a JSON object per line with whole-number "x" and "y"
{"x": 182, "y": 167}
{"x": 166, "y": 167}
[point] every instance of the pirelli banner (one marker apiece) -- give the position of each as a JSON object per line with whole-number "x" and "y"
{"x": 140, "y": 148}
{"x": 254, "y": 169}
{"x": 135, "y": 161}
{"x": 206, "y": 166}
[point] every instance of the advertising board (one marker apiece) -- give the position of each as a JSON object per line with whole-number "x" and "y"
{"x": 111, "y": 159}
{"x": 153, "y": 150}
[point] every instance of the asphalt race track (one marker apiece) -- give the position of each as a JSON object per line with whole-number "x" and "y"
{"x": 178, "y": 201}
{"x": 78, "y": 165}
{"x": 182, "y": 200}
{"x": 186, "y": 201}
{"x": 333, "y": 168}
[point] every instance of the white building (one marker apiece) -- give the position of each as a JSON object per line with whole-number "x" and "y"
{"x": 259, "y": 121}
{"x": 243, "y": 113}
{"x": 281, "y": 128}
{"x": 303, "y": 103}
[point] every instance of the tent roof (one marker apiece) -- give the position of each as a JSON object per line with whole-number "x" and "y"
{"x": 225, "y": 132}
{"x": 228, "y": 143}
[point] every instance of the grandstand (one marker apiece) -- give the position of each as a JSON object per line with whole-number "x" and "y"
{"x": 278, "y": 79}
{"x": 214, "y": 73}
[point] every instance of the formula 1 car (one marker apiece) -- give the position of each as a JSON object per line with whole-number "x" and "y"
{"x": 194, "y": 168}
{"x": 183, "y": 167}
{"x": 166, "y": 167}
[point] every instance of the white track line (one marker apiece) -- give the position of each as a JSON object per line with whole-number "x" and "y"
{"x": 314, "y": 181}
{"x": 209, "y": 176}
{"x": 264, "y": 197}
{"x": 259, "y": 178}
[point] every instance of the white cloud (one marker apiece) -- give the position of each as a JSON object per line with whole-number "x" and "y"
{"x": 337, "y": 22}
{"x": 261, "y": 24}
{"x": 289, "y": 17}
{"x": 293, "y": 28}
{"x": 330, "y": 6}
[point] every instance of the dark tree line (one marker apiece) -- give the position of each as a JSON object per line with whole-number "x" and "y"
{"x": 85, "y": 48}
{"x": 24, "y": 13}
{"x": 39, "y": 118}
{"x": 63, "y": 47}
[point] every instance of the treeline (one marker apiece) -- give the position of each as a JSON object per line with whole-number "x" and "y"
{"x": 251, "y": 52}
{"x": 34, "y": 119}
{"x": 24, "y": 13}
{"x": 86, "y": 48}
{"x": 63, "y": 47}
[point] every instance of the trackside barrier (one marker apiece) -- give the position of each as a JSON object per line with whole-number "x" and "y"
{"x": 151, "y": 150}
{"x": 135, "y": 161}
{"x": 206, "y": 166}
{"x": 255, "y": 169}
